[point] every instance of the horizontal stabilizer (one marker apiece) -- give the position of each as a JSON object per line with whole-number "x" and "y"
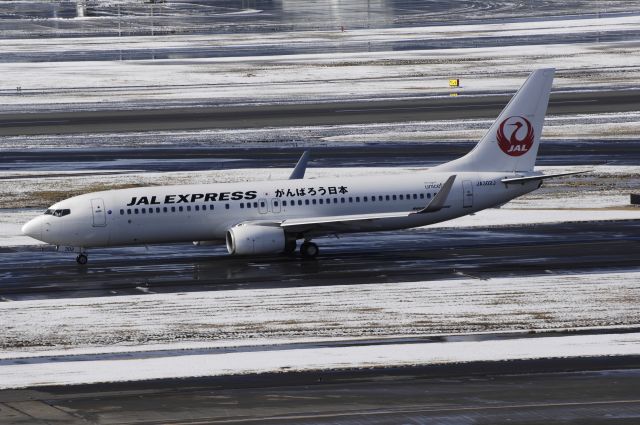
{"x": 540, "y": 177}
{"x": 437, "y": 203}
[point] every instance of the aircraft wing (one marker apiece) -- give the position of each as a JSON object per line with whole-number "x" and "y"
{"x": 341, "y": 222}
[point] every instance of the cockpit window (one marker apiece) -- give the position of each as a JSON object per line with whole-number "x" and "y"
{"x": 58, "y": 213}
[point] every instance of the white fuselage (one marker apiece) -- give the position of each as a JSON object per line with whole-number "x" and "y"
{"x": 186, "y": 213}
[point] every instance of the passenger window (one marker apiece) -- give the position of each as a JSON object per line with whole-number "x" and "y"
{"x": 373, "y": 199}
{"x": 335, "y": 200}
{"x": 158, "y": 210}
{"x": 342, "y": 200}
{"x": 401, "y": 197}
{"x": 313, "y": 201}
{"x": 135, "y": 211}
{"x": 262, "y": 204}
{"x": 350, "y": 199}
{"x": 284, "y": 203}
{"x": 364, "y": 199}
{"x": 144, "y": 211}
{"x": 429, "y": 195}
{"x": 180, "y": 209}
{"x": 422, "y": 196}
{"x": 388, "y": 197}
{"x": 164, "y": 209}
{"x": 197, "y": 207}
{"x": 226, "y": 206}
{"x": 415, "y": 196}
{"x": 150, "y": 210}
{"x": 188, "y": 207}
{"x": 321, "y": 201}
{"x": 255, "y": 205}
{"x": 275, "y": 203}
{"x": 211, "y": 207}
{"x": 394, "y": 197}
{"x": 121, "y": 212}
{"x": 128, "y": 212}
{"x": 306, "y": 202}
{"x": 242, "y": 205}
{"x": 173, "y": 209}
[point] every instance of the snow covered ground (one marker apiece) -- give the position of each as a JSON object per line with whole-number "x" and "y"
{"x": 82, "y": 372}
{"x": 181, "y": 321}
{"x": 586, "y": 127}
{"x": 42, "y": 339}
{"x": 321, "y": 76}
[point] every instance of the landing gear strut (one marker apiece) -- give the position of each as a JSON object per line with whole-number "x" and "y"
{"x": 82, "y": 259}
{"x": 309, "y": 250}
{"x": 290, "y": 246}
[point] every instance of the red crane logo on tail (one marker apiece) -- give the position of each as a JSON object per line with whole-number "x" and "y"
{"x": 520, "y": 138}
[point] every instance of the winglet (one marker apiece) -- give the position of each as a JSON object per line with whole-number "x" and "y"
{"x": 437, "y": 203}
{"x": 301, "y": 167}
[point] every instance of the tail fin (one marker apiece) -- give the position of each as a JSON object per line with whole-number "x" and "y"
{"x": 511, "y": 144}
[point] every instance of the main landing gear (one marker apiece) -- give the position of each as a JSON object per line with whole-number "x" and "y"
{"x": 309, "y": 250}
{"x": 82, "y": 259}
{"x": 290, "y": 246}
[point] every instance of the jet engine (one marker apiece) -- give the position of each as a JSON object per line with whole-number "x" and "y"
{"x": 255, "y": 239}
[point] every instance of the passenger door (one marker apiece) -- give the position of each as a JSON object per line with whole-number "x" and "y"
{"x": 99, "y": 214}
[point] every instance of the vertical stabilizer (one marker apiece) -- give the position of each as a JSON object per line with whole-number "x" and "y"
{"x": 511, "y": 144}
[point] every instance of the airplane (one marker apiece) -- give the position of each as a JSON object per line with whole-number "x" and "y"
{"x": 269, "y": 217}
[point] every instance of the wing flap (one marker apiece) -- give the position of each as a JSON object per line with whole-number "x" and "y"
{"x": 335, "y": 222}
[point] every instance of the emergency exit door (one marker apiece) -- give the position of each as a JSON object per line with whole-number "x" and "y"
{"x": 467, "y": 193}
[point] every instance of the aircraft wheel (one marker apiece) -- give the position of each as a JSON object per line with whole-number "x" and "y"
{"x": 309, "y": 250}
{"x": 82, "y": 259}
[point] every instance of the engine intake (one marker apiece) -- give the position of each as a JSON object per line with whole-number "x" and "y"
{"x": 255, "y": 239}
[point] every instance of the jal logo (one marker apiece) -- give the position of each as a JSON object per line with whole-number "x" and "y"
{"x": 515, "y": 136}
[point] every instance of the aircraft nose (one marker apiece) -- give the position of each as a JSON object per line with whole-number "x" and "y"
{"x": 33, "y": 228}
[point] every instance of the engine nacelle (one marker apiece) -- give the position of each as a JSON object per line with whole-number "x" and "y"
{"x": 255, "y": 239}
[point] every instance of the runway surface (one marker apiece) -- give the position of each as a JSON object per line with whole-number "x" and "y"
{"x": 584, "y": 391}
{"x": 257, "y": 116}
{"x": 28, "y": 273}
